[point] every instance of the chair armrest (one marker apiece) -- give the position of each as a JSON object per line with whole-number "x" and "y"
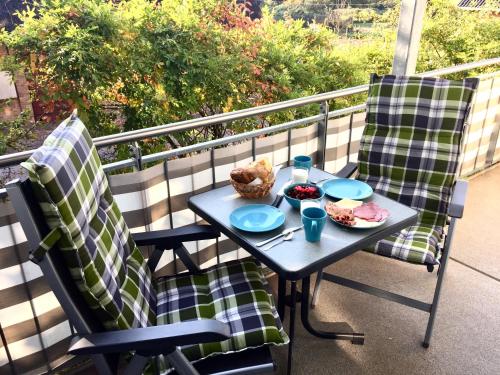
{"x": 347, "y": 171}
{"x": 457, "y": 203}
{"x": 192, "y": 232}
{"x": 151, "y": 340}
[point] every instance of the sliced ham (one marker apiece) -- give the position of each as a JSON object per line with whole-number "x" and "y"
{"x": 340, "y": 214}
{"x": 371, "y": 212}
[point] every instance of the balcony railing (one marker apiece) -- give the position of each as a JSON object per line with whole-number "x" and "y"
{"x": 161, "y": 130}
{"x": 34, "y": 329}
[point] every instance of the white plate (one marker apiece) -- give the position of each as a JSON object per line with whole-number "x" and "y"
{"x": 361, "y": 224}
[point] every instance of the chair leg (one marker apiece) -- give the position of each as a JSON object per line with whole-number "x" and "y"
{"x": 136, "y": 365}
{"x": 181, "y": 364}
{"x": 315, "y": 296}
{"x": 437, "y": 292}
{"x": 291, "y": 335}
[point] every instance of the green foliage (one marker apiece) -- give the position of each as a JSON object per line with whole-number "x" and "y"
{"x": 134, "y": 64}
{"x": 139, "y": 64}
{"x": 450, "y": 36}
{"x": 11, "y": 132}
{"x": 453, "y": 36}
{"x": 340, "y": 15}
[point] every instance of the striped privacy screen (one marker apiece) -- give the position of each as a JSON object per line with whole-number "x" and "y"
{"x": 34, "y": 329}
{"x": 32, "y": 322}
{"x": 482, "y": 143}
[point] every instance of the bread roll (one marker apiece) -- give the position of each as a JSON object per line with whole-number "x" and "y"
{"x": 261, "y": 168}
{"x": 243, "y": 175}
{"x": 263, "y": 173}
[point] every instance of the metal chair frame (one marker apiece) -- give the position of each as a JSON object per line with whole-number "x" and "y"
{"x": 104, "y": 347}
{"x": 455, "y": 211}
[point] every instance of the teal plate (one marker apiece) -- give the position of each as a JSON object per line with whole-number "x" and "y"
{"x": 257, "y": 218}
{"x": 340, "y": 188}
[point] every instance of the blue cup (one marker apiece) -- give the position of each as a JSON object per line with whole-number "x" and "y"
{"x": 314, "y": 219}
{"x": 303, "y": 162}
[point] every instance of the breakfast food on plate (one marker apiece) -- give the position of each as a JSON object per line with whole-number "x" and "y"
{"x": 370, "y": 212}
{"x": 261, "y": 169}
{"x": 349, "y": 212}
{"x": 340, "y": 214}
{"x": 304, "y": 192}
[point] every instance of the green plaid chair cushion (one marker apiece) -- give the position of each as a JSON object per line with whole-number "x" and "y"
{"x": 234, "y": 293}
{"x": 74, "y": 195}
{"x": 415, "y": 244}
{"x": 410, "y": 150}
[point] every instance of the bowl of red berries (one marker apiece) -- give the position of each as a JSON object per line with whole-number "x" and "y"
{"x": 298, "y": 192}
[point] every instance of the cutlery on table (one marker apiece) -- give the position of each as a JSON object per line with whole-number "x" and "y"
{"x": 287, "y": 237}
{"x": 280, "y": 195}
{"x": 284, "y": 233}
{"x": 321, "y": 180}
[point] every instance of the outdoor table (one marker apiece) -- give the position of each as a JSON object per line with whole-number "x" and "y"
{"x": 297, "y": 259}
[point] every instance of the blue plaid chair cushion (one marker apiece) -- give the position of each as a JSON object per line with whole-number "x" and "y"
{"x": 410, "y": 152}
{"x": 234, "y": 293}
{"x": 74, "y": 195}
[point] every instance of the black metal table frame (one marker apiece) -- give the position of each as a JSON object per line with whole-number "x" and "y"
{"x": 355, "y": 338}
{"x": 304, "y": 275}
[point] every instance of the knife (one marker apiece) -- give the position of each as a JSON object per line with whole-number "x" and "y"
{"x": 284, "y": 233}
{"x": 281, "y": 193}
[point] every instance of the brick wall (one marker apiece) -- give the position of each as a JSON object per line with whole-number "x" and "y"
{"x": 10, "y": 109}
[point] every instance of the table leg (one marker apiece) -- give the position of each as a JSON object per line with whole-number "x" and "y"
{"x": 281, "y": 297}
{"x": 355, "y": 338}
{"x": 291, "y": 333}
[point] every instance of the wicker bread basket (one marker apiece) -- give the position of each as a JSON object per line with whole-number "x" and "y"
{"x": 253, "y": 191}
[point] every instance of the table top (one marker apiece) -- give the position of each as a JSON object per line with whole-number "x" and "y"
{"x": 298, "y": 258}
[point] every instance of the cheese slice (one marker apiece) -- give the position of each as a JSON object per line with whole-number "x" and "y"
{"x": 348, "y": 203}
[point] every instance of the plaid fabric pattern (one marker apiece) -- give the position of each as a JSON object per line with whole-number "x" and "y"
{"x": 111, "y": 272}
{"x": 418, "y": 243}
{"x": 74, "y": 195}
{"x": 410, "y": 152}
{"x": 234, "y": 293}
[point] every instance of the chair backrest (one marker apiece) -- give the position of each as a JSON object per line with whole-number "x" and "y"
{"x": 72, "y": 191}
{"x": 411, "y": 144}
{"x": 55, "y": 271}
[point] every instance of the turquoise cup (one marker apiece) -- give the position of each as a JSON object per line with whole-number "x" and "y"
{"x": 302, "y": 162}
{"x": 314, "y": 219}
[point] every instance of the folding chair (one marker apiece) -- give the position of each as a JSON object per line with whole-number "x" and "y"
{"x": 218, "y": 320}
{"x": 410, "y": 151}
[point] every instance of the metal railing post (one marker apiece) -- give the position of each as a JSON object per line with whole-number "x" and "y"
{"x": 136, "y": 152}
{"x": 351, "y": 118}
{"x": 322, "y": 133}
{"x": 7, "y": 351}
{"x": 495, "y": 133}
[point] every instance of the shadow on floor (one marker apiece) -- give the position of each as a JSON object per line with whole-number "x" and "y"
{"x": 467, "y": 329}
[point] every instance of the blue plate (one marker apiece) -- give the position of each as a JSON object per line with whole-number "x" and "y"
{"x": 340, "y": 188}
{"x": 257, "y": 218}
